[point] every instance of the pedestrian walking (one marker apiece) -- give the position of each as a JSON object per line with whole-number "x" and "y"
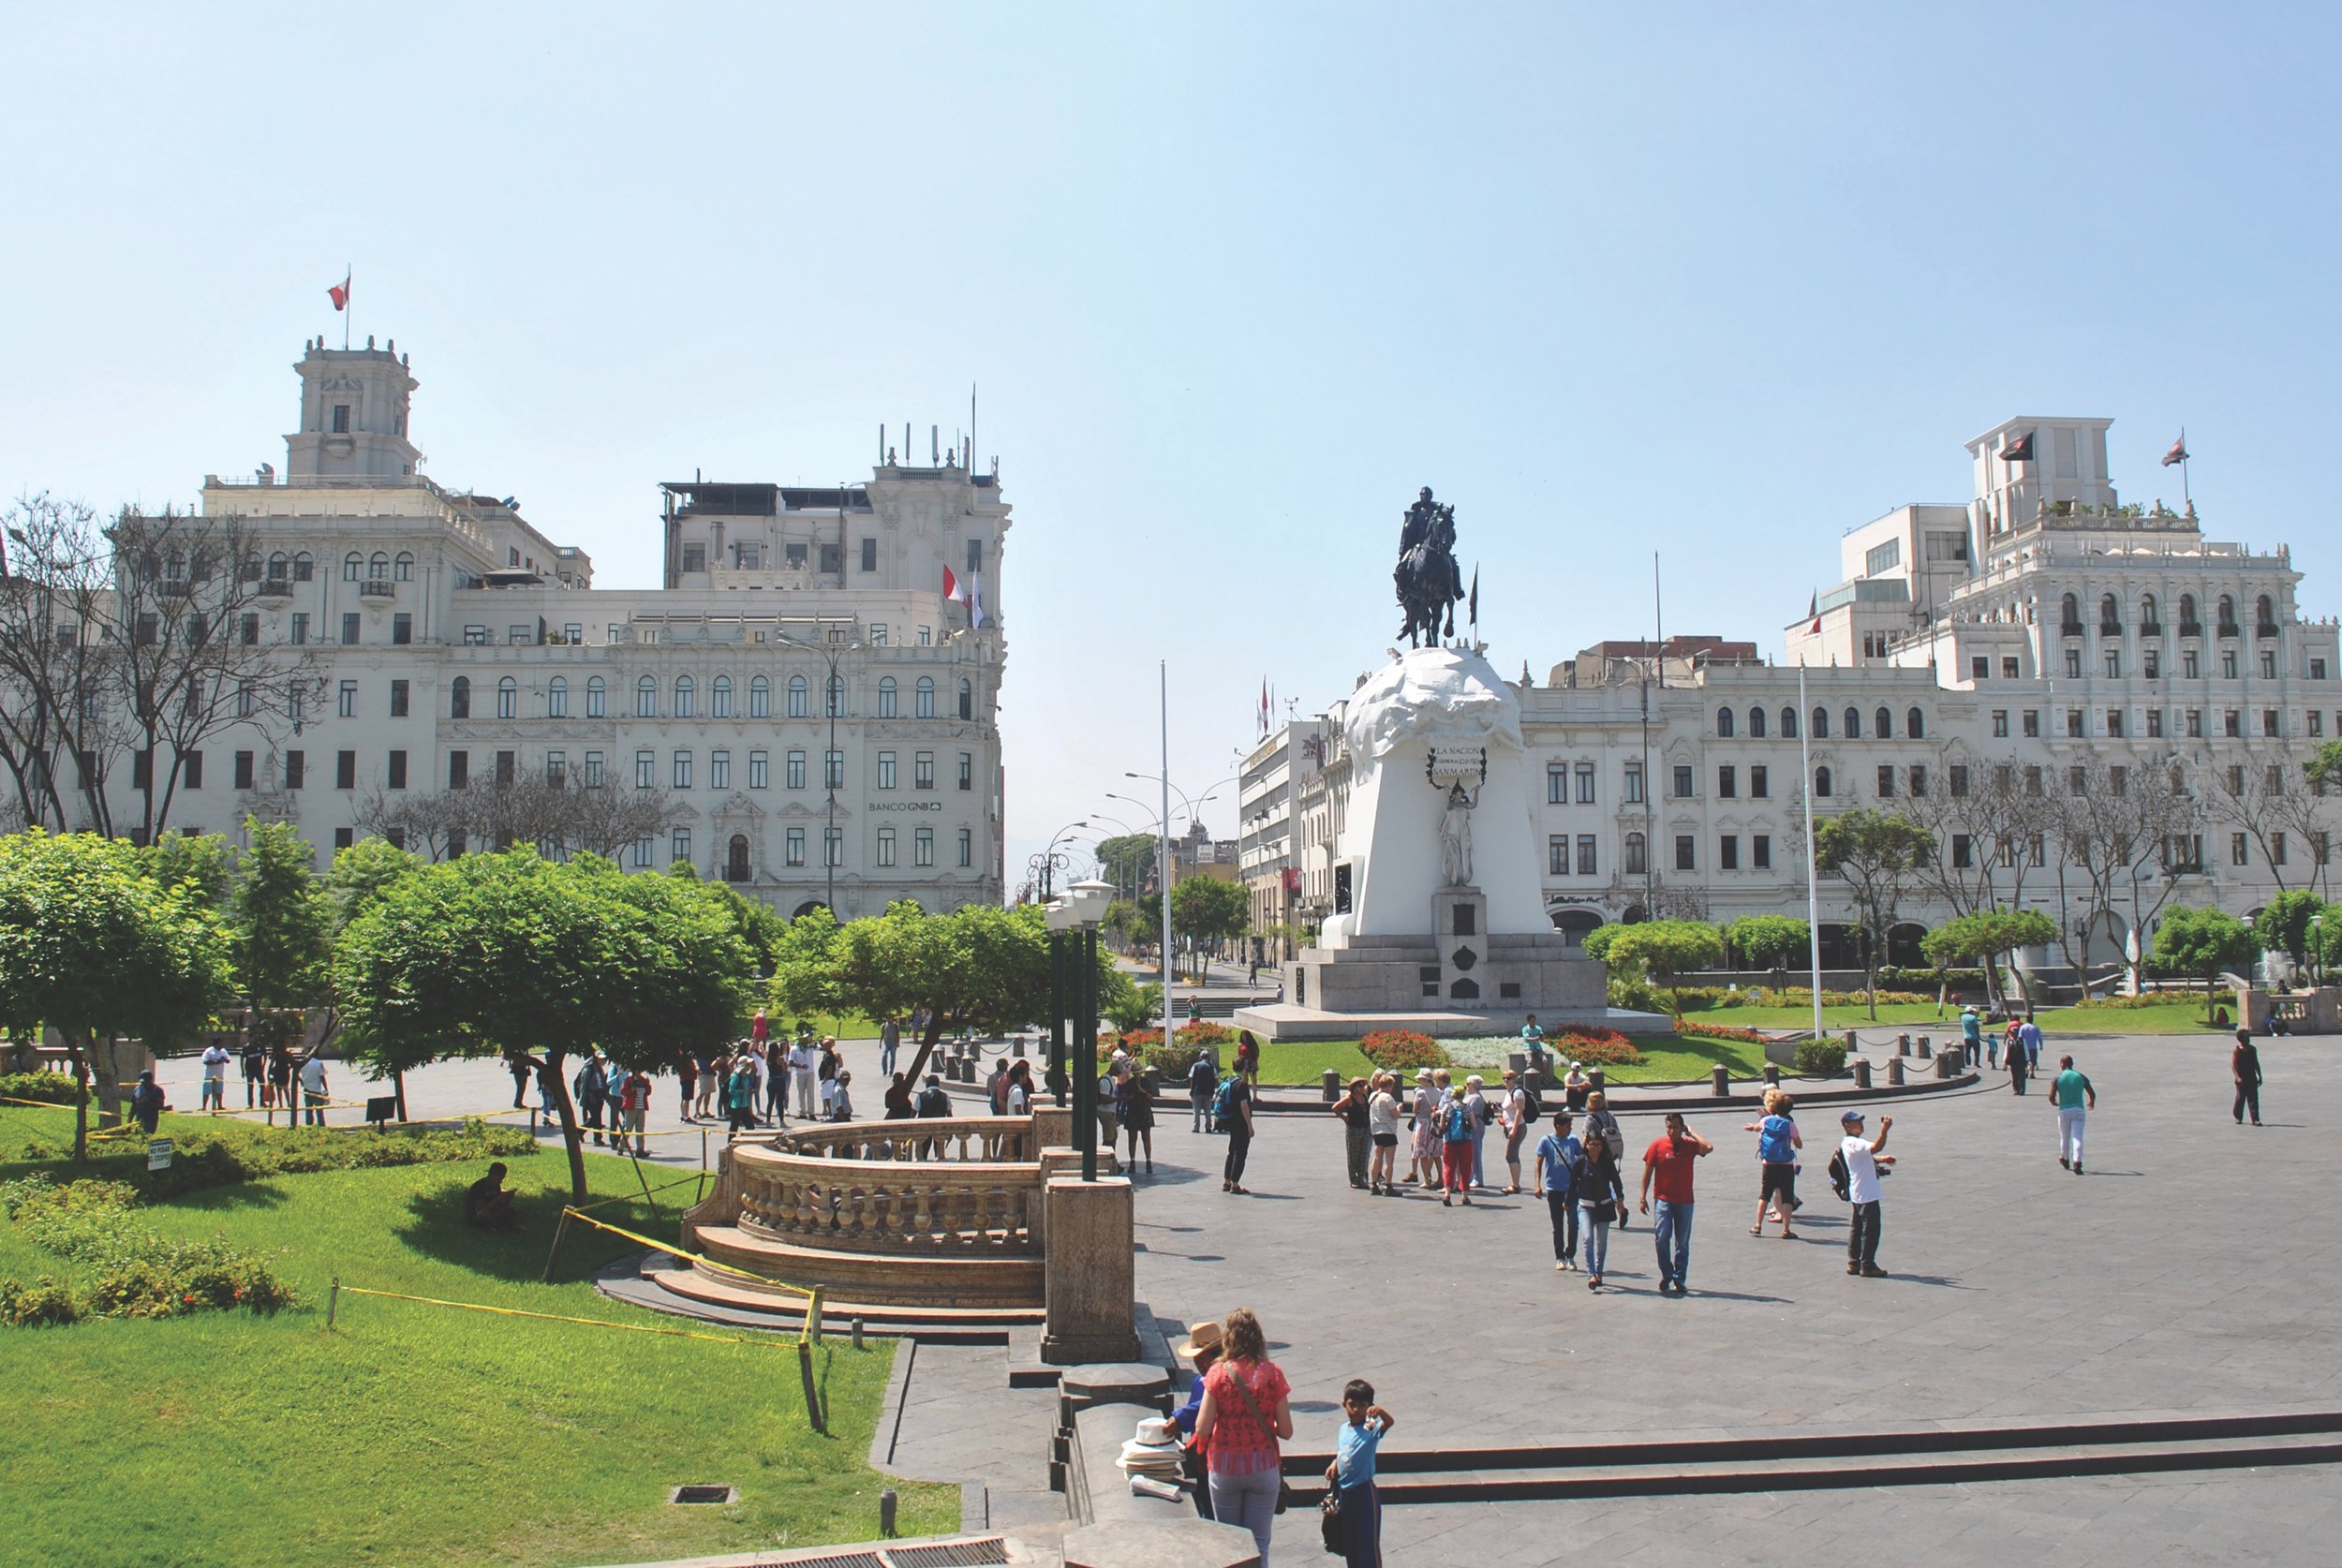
{"x": 1600, "y": 1124}
{"x": 2031, "y": 1036}
{"x": 995, "y": 1087}
{"x": 1423, "y": 1124}
{"x": 592, "y": 1088}
{"x": 1518, "y": 1114}
{"x": 1356, "y": 1113}
{"x": 1777, "y": 1143}
{"x": 1561, "y": 1171}
{"x": 1232, "y": 1107}
{"x": 2072, "y": 1096}
{"x": 740, "y": 1092}
{"x": 313, "y": 1089}
{"x": 1138, "y": 1118}
{"x": 1666, "y": 1165}
{"x": 1358, "y": 1505}
{"x": 1477, "y": 1106}
{"x": 1382, "y": 1122}
{"x": 1455, "y": 1149}
{"x": 255, "y": 1071}
{"x": 147, "y": 1103}
{"x": 2015, "y": 1054}
{"x": 634, "y": 1104}
{"x": 516, "y": 1063}
{"x": 1201, "y": 1080}
{"x": 280, "y": 1081}
{"x": 687, "y": 1077}
{"x": 2011, "y": 1040}
{"x": 1246, "y": 1415}
{"x": 1971, "y": 1035}
{"x": 1862, "y": 1162}
{"x": 1020, "y": 1089}
{"x": 214, "y": 1077}
{"x": 890, "y": 1041}
{"x": 1601, "y": 1201}
{"x": 2243, "y": 1066}
{"x": 805, "y": 1063}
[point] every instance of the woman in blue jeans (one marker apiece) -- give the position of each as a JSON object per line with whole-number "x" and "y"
{"x": 1600, "y": 1197}
{"x": 1245, "y": 1416}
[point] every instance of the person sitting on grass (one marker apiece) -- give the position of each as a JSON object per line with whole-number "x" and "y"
{"x": 488, "y": 1205}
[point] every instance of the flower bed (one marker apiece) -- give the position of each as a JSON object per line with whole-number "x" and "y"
{"x": 1699, "y": 1030}
{"x": 1402, "y": 1050}
{"x": 132, "y": 1272}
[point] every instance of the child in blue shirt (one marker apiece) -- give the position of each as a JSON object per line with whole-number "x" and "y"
{"x": 1352, "y": 1473}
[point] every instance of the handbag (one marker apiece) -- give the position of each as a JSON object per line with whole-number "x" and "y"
{"x": 1330, "y": 1521}
{"x": 1285, "y": 1493}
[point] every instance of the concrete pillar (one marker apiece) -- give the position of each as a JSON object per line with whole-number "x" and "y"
{"x": 1772, "y": 1075}
{"x": 1948, "y": 1065}
{"x": 1089, "y": 1278}
{"x": 1902, "y": 1044}
{"x": 1862, "y": 1073}
{"x": 1894, "y": 1071}
{"x": 1594, "y": 1080}
{"x": 1052, "y": 1128}
{"x": 1722, "y": 1079}
{"x": 1925, "y": 1052}
{"x": 1329, "y": 1085}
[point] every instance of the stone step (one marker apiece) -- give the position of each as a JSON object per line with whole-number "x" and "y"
{"x": 971, "y": 1277}
{"x": 692, "y": 1290}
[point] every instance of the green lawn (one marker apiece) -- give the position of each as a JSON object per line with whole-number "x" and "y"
{"x": 2176, "y": 1017}
{"x": 414, "y": 1433}
{"x": 1666, "y": 1057}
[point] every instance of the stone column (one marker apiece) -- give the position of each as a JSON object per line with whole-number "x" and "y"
{"x": 1052, "y": 1128}
{"x": 1089, "y": 1274}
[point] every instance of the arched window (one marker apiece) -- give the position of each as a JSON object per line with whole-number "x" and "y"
{"x": 277, "y": 567}
{"x": 1853, "y": 730}
{"x": 967, "y": 701}
{"x": 2110, "y": 615}
{"x": 350, "y": 563}
{"x": 796, "y": 696}
{"x": 1821, "y": 782}
{"x": 2069, "y": 615}
{"x": 304, "y": 566}
{"x": 737, "y": 859}
{"x": 2188, "y": 625}
{"x": 1723, "y": 723}
{"x": 378, "y": 569}
{"x": 403, "y": 568}
{"x": 886, "y": 697}
{"x": 1637, "y": 855}
{"x": 1789, "y": 724}
{"x": 720, "y": 698}
{"x": 2147, "y": 620}
{"x": 2265, "y": 612}
{"x": 1821, "y": 723}
{"x": 597, "y": 697}
{"x": 646, "y": 698}
{"x": 759, "y": 698}
{"x": 1756, "y": 724}
{"x": 557, "y": 698}
{"x": 836, "y": 698}
{"x": 459, "y": 698}
{"x": 924, "y": 698}
{"x": 1883, "y": 724}
{"x": 508, "y": 698}
{"x": 2228, "y": 616}
{"x": 1914, "y": 725}
{"x": 685, "y": 697}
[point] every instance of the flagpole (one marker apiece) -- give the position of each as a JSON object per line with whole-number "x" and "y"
{"x": 2185, "y": 498}
{"x": 1813, "y": 895}
{"x": 347, "y": 302}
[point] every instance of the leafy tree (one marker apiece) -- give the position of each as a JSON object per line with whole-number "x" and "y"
{"x": 1985, "y": 935}
{"x": 2204, "y": 944}
{"x": 284, "y": 932}
{"x": 1208, "y": 912}
{"x": 1598, "y": 940}
{"x": 363, "y": 872}
{"x": 1878, "y": 854}
{"x": 1127, "y": 860}
{"x": 1769, "y": 941}
{"x": 1664, "y": 949}
{"x": 2283, "y": 925}
{"x": 805, "y": 964}
{"x": 489, "y": 952}
{"x": 203, "y": 859}
{"x": 2325, "y": 769}
{"x": 92, "y": 948}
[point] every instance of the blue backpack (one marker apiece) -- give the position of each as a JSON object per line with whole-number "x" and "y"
{"x": 1456, "y": 1127}
{"x": 1224, "y": 1104}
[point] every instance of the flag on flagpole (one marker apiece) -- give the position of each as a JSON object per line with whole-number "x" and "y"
{"x": 1476, "y": 597}
{"x": 1264, "y": 705}
{"x": 951, "y": 584}
{"x": 1813, "y": 608}
{"x": 339, "y": 294}
{"x": 2018, "y": 450}
{"x": 975, "y": 604}
{"x": 2178, "y": 453}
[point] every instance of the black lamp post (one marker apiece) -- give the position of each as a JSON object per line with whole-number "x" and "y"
{"x": 1060, "y": 917}
{"x": 1084, "y": 906}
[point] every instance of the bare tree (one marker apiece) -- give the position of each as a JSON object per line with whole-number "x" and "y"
{"x": 58, "y": 666}
{"x": 557, "y": 816}
{"x": 2270, "y": 800}
{"x": 2113, "y": 822}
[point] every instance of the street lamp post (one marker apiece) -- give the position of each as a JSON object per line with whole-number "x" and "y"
{"x": 1085, "y": 905}
{"x": 1060, "y": 916}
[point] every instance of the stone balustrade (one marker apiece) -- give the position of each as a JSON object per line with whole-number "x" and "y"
{"x": 934, "y": 1187}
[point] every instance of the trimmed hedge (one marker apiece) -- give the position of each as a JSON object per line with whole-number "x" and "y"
{"x": 1820, "y": 1059}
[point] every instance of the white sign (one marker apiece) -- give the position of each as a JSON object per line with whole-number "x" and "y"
{"x": 159, "y": 1155}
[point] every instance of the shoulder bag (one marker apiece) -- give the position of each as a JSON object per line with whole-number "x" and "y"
{"x": 1285, "y": 1493}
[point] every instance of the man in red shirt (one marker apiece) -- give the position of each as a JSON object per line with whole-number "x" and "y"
{"x": 1669, "y": 1162}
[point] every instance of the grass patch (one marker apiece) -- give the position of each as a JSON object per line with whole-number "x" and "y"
{"x": 1666, "y": 1057}
{"x": 414, "y": 1433}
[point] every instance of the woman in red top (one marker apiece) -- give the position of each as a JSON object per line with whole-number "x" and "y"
{"x": 1240, "y": 1434}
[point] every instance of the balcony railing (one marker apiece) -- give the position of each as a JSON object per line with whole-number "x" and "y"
{"x": 2150, "y": 629}
{"x": 377, "y": 589}
{"x": 2191, "y": 628}
{"x": 2266, "y": 628}
{"x": 276, "y": 586}
{"x": 2230, "y": 628}
{"x": 2069, "y": 628}
{"x": 2109, "y": 628}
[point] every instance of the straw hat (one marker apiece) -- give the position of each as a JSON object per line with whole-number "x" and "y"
{"x": 1157, "y": 1431}
{"x": 1203, "y": 1336}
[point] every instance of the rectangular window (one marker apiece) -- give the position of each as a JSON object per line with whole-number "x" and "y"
{"x": 2009, "y": 668}
{"x": 1685, "y": 859}
{"x": 1886, "y": 781}
{"x": 508, "y": 768}
{"x": 592, "y": 777}
{"x": 792, "y": 852}
{"x": 2232, "y": 724}
{"x": 887, "y": 846}
{"x": 2000, "y": 723}
{"x": 2268, "y": 722}
{"x": 759, "y": 769}
{"x": 458, "y": 769}
{"x": 2195, "y": 724}
{"x": 2188, "y": 665}
{"x": 398, "y": 770}
{"x": 794, "y": 770}
{"x": 518, "y": 636}
{"x": 645, "y": 850}
{"x": 243, "y": 770}
{"x": 1634, "y": 784}
{"x": 1728, "y": 782}
{"x": 1729, "y": 853}
{"x": 2033, "y": 723}
{"x": 925, "y": 635}
{"x": 345, "y": 837}
{"x": 346, "y": 703}
{"x": 1585, "y": 854}
{"x": 1585, "y": 783}
{"x": 344, "y": 770}
{"x": 923, "y": 846}
{"x": 2268, "y": 664}
{"x": 2151, "y": 662}
{"x": 1557, "y": 855}
{"x": 143, "y": 769}
{"x": 350, "y": 629}
{"x": 2074, "y": 727}
{"x": 2113, "y": 664}
{"x": 869, "y": 554}
{"x": 2118, "y": 781}
{"x": 191, "y": 769}
{"x": 341, "y": 418}
{"x": 975, "y": 556}
{"x": 475, "y": 637}
{"x": 922, "y": 770}
{"x": 248, "y": 630}
{"x": 2033, "y": 782}
{"x": 2239, "y": 851}
{"x": 402, "y": 630}
{"x": 719, "y": 770}
{"x": 834, "y": 770}
{"x": 2228, "y": 664}
{"x": 682, "y": 770}
{"x": 2154, "y": 723}
{"x": 886, "y": 770}
{"x": 695, "y": 558}
{"x": 680, "y": 846}
{"x": 399, "y": 690}
{"x": 967, "y": 770}
{"x": 2073, "y": 664}
{"x": 296, "y": 769}
{"x": 833, "y": 847}
{"x": 1637, "y": 859}
{"x": 1882, "y": 558}
{"x": 300, "y": 629}
{"x": 1979, "y": 668}
{"x": 1916, "y": 774}
{"x": 1556, "y": 783}
{"x": 1759, "y": 782}
{"x": 2077, "y": 780}
{"x": 2115, "y": 722}
{"x": 1761, "y": 852}
{"x": 2317, "y": 722}
{"x": 967, "y": 847}
{"x": 1960, "y": 780}
{"x": 878, "y": 634}
{"x": 1683, "y": 783}
{"x": 645, "y": 770}
{"x": 1963, "y": 852}
{"x": 831, "y": 561}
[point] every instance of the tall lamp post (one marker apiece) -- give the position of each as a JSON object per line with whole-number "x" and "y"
{"x": 1060, "y": 916}
{"x": 1085, "y": 905}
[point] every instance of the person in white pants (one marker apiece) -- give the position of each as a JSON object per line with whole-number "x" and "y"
{"x": 2071, "y": 1093}
{"x": 805, "y": 1061}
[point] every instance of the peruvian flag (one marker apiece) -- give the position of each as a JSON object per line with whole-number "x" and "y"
{"x": 339, "y": 294}
{"x": 951, "y": 584}
{"x": 2019, "y": 449}
{"x": 2178, "y": 453}
{"x": 1263, "y": 706}
{"x": 1813, "y": 608}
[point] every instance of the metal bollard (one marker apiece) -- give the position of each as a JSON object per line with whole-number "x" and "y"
{"x": 1722, "y": 1078}
{"x": 1894, "y": 1073}
{"x": 855, "y": 1339}
{"x": 1862, "y": 1073}
{"x": 1902, "y": 1044}
{"x": 1329, "y": 1085}
{"x": 1852, "y": 1044}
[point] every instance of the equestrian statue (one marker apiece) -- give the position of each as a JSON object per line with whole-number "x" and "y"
{"x": 1429, "y": 581}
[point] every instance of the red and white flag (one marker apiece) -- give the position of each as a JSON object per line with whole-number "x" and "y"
{"x": 1263, "y": 706}
{"x": 2178, "y": 453}
{"x": 339, "y": 294}
{"x": 951, "y": 584}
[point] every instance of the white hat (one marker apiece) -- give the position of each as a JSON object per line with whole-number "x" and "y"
{"x": 1158, "y": 1430}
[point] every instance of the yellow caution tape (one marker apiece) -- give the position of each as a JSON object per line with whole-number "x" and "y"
{"x": 557, "y": 1317}
{"x": 689, "y": 1257}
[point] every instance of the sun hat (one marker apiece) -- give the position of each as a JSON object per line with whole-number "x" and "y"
{"x": 1201, "y": 1336}
{"x": 1156, "y": 1431}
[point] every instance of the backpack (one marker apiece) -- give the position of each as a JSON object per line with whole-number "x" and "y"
{"x": 1612, "y": 1139}
{"x": 1456, "y": 1127}
{"x": 1841, "y": 1179}
{"x": 1223, "y": 1102}
{"x": 1532, "y": 1108}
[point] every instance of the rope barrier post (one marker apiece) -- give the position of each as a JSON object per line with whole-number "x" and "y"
{"x": 334, "y": 1301}
{"x": 812, "y": 1395}
{"x": 644, "y": 1182}
{"x": 554, "y": 1257}
{"x": 813, "y": 1316}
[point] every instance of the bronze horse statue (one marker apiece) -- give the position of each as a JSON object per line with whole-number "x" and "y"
{"x": 1429, "y": 581}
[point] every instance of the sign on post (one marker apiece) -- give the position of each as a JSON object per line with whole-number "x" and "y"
{"x": 158, "y": 1154}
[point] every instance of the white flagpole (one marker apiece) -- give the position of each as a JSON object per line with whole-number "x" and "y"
{"x": 1813, "y": 895}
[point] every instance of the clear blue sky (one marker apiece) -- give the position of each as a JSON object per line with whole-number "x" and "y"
{"x": 1721, "y": 281}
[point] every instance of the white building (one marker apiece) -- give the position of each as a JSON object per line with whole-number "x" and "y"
{"x": 821, "y": 715}
{"x": 2043, "y": 638}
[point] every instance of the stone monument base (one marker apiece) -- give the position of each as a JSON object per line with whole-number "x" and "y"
{"x": 1274, "y": 1021}
{"x": 1537, "y": 973}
